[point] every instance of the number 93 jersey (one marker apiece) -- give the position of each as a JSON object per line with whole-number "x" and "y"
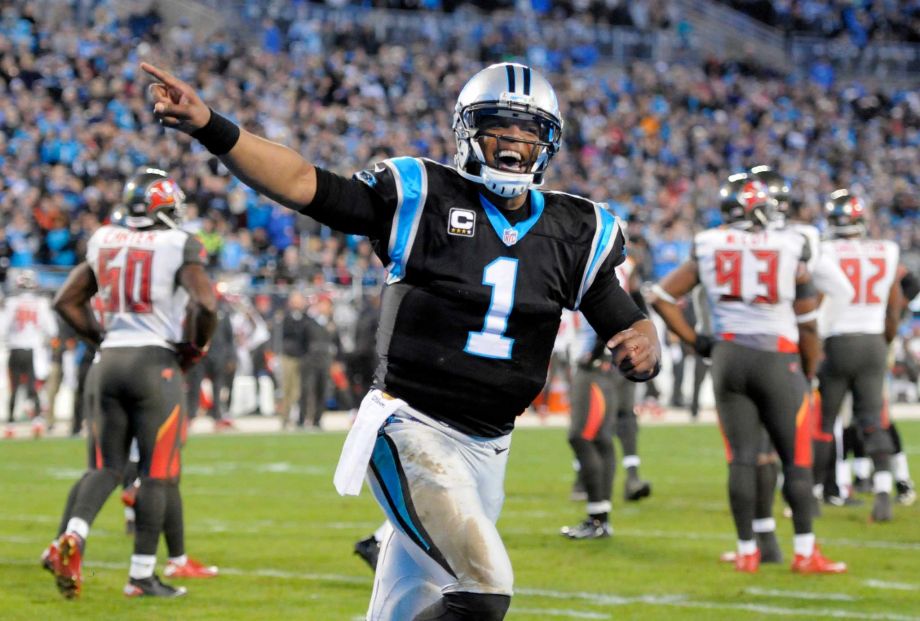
{"x": 473, "y": 303}
{"x": 136, "y": 271}
{"x": 750, "y": 281}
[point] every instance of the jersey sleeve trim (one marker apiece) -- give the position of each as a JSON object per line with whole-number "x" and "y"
{"x": 411, "y": 192}
{"x": 605, "y": 236}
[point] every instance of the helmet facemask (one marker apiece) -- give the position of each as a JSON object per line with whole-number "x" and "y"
{"x": 486, "y": 104}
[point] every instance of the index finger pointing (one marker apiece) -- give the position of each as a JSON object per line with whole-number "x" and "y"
{"x": 160, "y": 74}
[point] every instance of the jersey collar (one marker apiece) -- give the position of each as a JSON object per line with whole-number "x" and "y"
{"x": 510, "y": 235}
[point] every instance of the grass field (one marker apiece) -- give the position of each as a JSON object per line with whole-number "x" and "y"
{"x": 263, "y": 508}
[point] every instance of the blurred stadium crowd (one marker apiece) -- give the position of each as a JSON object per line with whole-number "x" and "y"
{"x": 652, "y": 138}
{"x": 860, "y": 22}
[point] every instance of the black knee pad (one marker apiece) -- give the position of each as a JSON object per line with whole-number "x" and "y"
{"x": 478, "y": 606}
{"x": 878, "y": 441}
{"x": 463, "y": 606}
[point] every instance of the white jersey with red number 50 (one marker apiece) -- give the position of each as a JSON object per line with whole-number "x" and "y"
{"x": 136, "y": 272}
{"x": 749, "y": 278}
{"x": 871, "y": 266}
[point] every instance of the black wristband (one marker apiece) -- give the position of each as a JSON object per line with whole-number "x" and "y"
{"x": 219, "y": 135}
{"x": 703, "y": 345}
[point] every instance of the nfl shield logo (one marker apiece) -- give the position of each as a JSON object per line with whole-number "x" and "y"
{"x": 510, "y": 237}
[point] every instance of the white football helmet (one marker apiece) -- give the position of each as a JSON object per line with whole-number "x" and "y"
{"x": 511, "y": 91}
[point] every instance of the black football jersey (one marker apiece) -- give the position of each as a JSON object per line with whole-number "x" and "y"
{"x": 472, "y": 303}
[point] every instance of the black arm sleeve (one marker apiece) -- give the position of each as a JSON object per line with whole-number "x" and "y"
{"x": 348, "y": 205}
{"x": 609, "y": 309}
{"x": 606, "y": 305}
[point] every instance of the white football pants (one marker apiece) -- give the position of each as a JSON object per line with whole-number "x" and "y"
{"x": 442, "y": 490}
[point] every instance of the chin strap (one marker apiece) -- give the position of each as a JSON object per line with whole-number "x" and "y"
{"x": 506, "y": 185}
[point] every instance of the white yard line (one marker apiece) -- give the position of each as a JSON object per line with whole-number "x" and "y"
{"x": 681, "y": 601}
{"x": 568, "y": 614}
{"x": 809, "y": 595}
{"x": 596, "y": 599}
{"x": 893, "y": 586}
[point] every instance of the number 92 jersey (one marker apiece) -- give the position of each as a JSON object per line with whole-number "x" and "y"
{"x": 473, "y": 303}
{"x": 137, "y": 275}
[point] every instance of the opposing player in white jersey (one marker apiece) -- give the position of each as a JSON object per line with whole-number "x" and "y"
{"x": 856, "y": 343}
{"x": 836, "y": 290}
{"x": 826, "y": 274}
{"x": 603, "y": 403}
{"x": 763, "y": 313}
{"x": 159, "y": 311}
{"x": 828, "y": 278}
{"x": 26, "y": 324}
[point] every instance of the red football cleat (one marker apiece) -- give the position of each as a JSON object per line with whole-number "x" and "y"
{"x": 48, "y": 556}
{"x": 224, "y": 424}
{"x": 65, "y": 560}
{"x": 9, "y": 433}
{"x": 191, "y": 569}
{"x": 748, "y": 563}
{"x": 816, "y": 564}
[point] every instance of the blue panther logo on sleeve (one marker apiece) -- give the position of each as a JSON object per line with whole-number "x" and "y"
{"x": 367, "y": 177}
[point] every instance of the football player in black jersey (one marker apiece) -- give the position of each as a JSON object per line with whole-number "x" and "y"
{"x": 480, "y": 265}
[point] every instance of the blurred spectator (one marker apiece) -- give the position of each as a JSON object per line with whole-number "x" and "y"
{"x": 653, "y": 138}
{"x": 316, "y": 366}
{"x": 219, "y": 366}
{"x": 295, "y": 341}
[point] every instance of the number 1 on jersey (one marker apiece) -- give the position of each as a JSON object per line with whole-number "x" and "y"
{"x": 491, "y": 342}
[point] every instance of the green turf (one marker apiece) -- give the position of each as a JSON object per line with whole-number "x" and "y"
{"x": 263, "y": 508}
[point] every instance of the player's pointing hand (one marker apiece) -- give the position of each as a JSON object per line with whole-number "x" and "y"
{"x": 175, "y": 103}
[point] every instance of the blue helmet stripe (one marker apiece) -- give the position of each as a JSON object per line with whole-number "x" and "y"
{"x": 527, "y": 80}
{"x": 510, "y": 69}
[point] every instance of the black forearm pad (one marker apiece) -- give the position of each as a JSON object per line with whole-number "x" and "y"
{"x": 805, "y": 290}
{"x": 219, "y": 135}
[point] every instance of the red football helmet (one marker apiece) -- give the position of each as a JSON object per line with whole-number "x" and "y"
{"x": 746, "y": 201}
{"x": 845, "y": 213}
{"x": 150, "y": 197}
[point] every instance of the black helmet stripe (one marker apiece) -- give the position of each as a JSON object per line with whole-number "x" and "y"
{"x": 510, "y": 70}
{"x": 527, "y": 80}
